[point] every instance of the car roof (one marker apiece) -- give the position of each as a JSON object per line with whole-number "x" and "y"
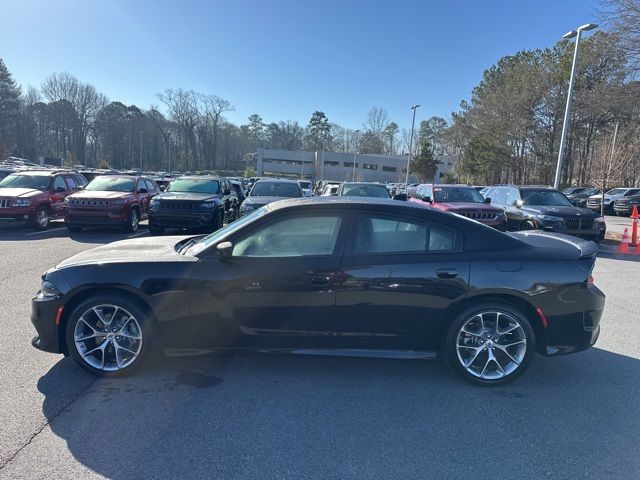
{"x": 366, "y": 183}
{"x": 276, "y": 180}
{"x": 347, "y": 201}
{"x": 199, "y": 177}
{"x": 41, "y": 173}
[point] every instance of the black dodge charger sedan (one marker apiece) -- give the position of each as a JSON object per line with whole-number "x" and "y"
{"x": 328, "y": 276}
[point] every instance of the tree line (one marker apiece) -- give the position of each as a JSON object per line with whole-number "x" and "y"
{"x": 69, "y": 119}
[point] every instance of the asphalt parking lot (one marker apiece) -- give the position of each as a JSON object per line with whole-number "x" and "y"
{"x": 298, "y": 417}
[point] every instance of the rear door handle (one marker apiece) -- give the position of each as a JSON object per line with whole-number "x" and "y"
{"x": 319, "y": 280}
{"x": 447, "y": 273}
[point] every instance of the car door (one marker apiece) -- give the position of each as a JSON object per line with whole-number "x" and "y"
{"x": 515, "y": 214}
{"x": 276, "y": 290}
{"x": 58, "y": 194}
{"x": 398, "y": 276}
{"x": 144, "y": 197}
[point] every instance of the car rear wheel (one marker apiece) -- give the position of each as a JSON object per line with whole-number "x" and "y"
{"x": 41, "y": 219}
{"x": 490, "y": 344}
{"x": 133, "y": 221}
{"x": 109, "y": 336}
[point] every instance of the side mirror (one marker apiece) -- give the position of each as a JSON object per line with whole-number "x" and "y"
{"x": 60, "y": 189}
{"x": 225, "y": 249}
{"x": 400, "y": 196}
{"x": 426, "y": 198}
{"x": 518, "y": 203}
{"x": 143, "y": 190}
{"x": 487, "y": 200}
{"x": 80, "y": 187}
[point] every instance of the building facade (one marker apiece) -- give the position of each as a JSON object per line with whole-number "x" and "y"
{"x": 340, "y": 166}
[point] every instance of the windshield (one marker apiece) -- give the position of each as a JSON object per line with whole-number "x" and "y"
{"x": 590, "y": 191}
{"x": 275, "y": 189}
{"x": 545, "y": 197}
{"x": 209, "y": 240}
{"x": 376, "y": 191}
{"x": 616, "y": 191}
{"x": 38, "y": 182}
{"x": 457, "y": 195}
{"x": 194, "y": 185}
{"x": 111, "y": 184}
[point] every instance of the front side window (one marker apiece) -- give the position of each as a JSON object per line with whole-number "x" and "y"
{"x": 292, "y": 236}
{"x": 59, "y": 185}
{"x": 109, "y": 183}
{"x": 385, "y": 234}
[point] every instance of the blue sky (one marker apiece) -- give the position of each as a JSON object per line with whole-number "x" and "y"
{"x": 282, "y": 59}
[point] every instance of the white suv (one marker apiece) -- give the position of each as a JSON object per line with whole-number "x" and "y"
{"x": 594, "y": 201}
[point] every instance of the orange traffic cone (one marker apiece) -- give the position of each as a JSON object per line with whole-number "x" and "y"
{"x": 634, "y": 227}
{"x": 624, "y": 243}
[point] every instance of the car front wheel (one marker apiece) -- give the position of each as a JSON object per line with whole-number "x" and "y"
{"x": 490, "y": 344}
{"x": 133, "y": 221}
{"x": 41, "y": 219}
{"x": 108, "y": 336}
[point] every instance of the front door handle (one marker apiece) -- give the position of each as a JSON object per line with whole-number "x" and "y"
{"x": 319, "y": 280}
{"x": 447, "y": 273}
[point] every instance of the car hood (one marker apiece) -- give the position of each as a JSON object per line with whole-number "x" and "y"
{"x": 199, "y": 197}
{"x": 260, "y": 201}
{"x": 464, "y": 206}
{"x": 558, "y": 211}
{"x": 99, "y": 194}
{"x": 154, "y": 249}
{"x": 19, "y": 192}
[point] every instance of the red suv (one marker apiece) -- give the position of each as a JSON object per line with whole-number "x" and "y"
{"x": 37, "y": 196}
{"x": 463, "y": 200}
{"x": 111, "y": 200}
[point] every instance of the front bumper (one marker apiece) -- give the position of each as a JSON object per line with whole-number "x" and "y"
{"x": 181, "y": 220}
{"x": 596, "y": 233}
{"x": 96, "y": 217}
{"x": 571, "y": 332}
{"x": 15, "y": 214}
{"x": 43, "y": 318}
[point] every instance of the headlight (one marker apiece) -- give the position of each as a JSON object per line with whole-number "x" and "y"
{"x": 22, "y": 202}
{"x": 118, "y": 201}
{"x": 549, "y": 218}
{"x": 48, "y": 290}
{"x": 207, "y": 205}
{"x": 246, "y": 207}
{"x": 154, "y": 204}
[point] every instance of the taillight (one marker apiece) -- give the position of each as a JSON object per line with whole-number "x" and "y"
{"x": 590, "y": 280}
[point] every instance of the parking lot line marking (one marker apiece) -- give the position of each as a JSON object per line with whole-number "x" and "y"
{"x": 137, "y": 234}
{"x": 46, "y": 231}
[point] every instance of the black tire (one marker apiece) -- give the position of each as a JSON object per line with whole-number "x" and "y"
{"x": 153, "y": 230}
{"x": 133, "y": 221}
{"x": 74, "y": 229}
{"x": 219, "y": 221}
{"x": 527, "y": 225}
{"x": 41, "y": 218}
{"x": 127, "y": 307}
{"x": 453, "y": 354}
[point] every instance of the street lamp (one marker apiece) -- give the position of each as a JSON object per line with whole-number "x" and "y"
{"x": 355, "y": 150}
{"x": 567, "y": 112}
{"x": 413, "y": 122}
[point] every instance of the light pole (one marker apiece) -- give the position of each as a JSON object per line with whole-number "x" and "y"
{"x": 567, "y": 112}
{"x": 413, "y": 122}
{"x": 355, "y": 151}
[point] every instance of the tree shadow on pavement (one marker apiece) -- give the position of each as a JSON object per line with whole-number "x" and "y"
{"x": 307, "y": 417}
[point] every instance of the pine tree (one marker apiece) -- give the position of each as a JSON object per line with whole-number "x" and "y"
{"x": 318, "y": 132}
{"x": 425, "y": 164}
{"x": 9, "y": 111}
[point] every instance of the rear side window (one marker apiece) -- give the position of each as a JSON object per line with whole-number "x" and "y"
{"x": 151, "y": 186}
{"x": 71, "y": 183}
{"x": 386, "y": 234}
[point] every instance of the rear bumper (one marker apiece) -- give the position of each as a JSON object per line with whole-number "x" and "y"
{"x": 43, "y": 318}
{"x": 575, "y": 332}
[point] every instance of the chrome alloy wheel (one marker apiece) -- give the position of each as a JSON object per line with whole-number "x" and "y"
{"x": 135, "y": 220}
{"x": 108, "y": 337}
{"x": 42, "y": 218}
{"x": 491, "y": 345}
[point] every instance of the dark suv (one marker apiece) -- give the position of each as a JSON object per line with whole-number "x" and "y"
{"x": 37, "y": 196}
{"x": 624, "y": 206}
{"x": 544, "y": 208}
{"x": 110, "y": 201}
{"x": 269, "y": 190}
{"x": 195, "y": 203}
